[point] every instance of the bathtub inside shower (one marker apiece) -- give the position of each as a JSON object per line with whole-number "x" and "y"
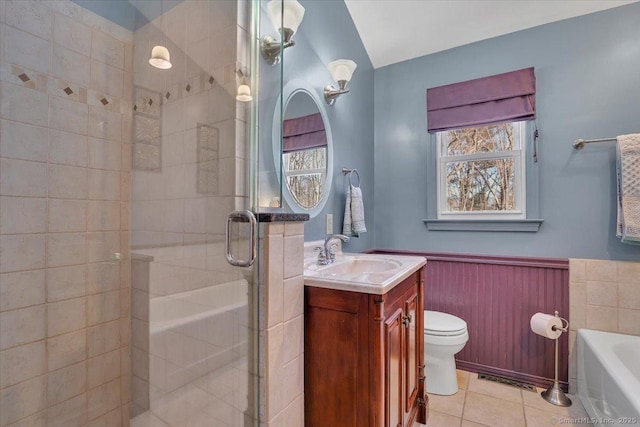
{"x": 609, "y": 377}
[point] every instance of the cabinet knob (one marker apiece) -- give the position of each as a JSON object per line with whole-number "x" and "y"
{"x": 406, "y": 320}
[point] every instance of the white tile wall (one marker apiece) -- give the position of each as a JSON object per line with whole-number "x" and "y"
{"x": 67, "y": 148}
{"x": 34, "y": 141}
{"x": 64, "y": 327}
{"x": 71, "y": 66}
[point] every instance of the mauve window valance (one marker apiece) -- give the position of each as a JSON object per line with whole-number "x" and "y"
{"x": 303, "y": 133}
{"x": 500, "y": 98}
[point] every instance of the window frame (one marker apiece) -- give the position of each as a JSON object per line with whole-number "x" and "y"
{"x": 520, "y": 181}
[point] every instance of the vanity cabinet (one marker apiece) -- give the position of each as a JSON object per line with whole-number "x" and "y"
{"x": 364, "y": 357}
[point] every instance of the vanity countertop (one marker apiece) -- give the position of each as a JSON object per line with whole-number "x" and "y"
{"x": 365, "y": 273}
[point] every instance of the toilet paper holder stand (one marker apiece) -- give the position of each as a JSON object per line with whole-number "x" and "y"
{"x": 554, "y": 394}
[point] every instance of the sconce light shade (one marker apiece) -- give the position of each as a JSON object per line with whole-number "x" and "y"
{"x": 286, "y": 21}
{"x": 160, "y": 58}
{"x": 244, "y": 93}
{"x": 291, "y": 14}
{"x": 341, "y": 71}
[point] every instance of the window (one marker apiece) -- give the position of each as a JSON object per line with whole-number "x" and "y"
{"x": 304, "y": 172}
{"x": 481, "y": 172}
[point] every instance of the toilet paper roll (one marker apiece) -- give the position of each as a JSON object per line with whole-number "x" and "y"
{"x": 542, "y": 324}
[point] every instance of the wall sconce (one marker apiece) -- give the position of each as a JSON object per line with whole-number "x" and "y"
{"x": 244, "y": 90}
{"x": 286, "y": 20}
{"x": 160, "y": 58}
{"x": 341, "y": 70}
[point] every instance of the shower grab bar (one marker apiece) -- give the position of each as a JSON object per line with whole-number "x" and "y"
{"x": 242, "y": 216}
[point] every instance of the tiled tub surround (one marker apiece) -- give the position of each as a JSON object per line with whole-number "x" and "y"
{"x": 603, "y": 295}
{"x": 281, "y": 324}
{"x": 65, "y": 120}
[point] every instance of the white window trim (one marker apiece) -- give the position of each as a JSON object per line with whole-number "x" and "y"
{"x": 520, "y": 181}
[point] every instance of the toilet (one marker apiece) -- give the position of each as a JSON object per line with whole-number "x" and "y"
{"x": 444, "y": 336}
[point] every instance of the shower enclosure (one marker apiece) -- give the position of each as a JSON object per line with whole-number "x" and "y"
{"x": 127, "y": 244}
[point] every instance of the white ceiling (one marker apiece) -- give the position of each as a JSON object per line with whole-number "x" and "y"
{"x": 397, "y": 30}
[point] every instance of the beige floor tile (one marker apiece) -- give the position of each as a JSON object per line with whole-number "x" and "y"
{"x": 493, "y": 411}
{"x": 492, "y": 389}
{"x": 467, "y": 423}
{"x": 463, "y": 379}
{"x": 538, "y": 418}
{"x": 451, "y": 405}
{"x": 534, "y": 400}
{"x": 440, "y": 419}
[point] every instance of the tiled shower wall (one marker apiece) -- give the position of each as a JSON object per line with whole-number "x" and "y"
{"x": 603, "y": 295}
{"x": 190, "y": 148}
{"x": 189, "y": 167}
{"x": 65, "y": 131}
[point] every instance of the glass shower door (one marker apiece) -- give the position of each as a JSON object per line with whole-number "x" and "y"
{"x": 192, "y": 311}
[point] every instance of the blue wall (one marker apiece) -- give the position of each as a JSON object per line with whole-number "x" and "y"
{"x": 588, "y": 86}
{"x": 328, "y": 33}
{"x": 130, "y": 14}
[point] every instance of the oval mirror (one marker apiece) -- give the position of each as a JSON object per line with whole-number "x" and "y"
{"x": 306, "y": 149}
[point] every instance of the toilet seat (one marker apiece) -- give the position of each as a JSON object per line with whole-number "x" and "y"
{"x": 443, "y": 324}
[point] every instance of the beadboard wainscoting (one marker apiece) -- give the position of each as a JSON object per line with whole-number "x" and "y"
{"x": 496, "y": 296}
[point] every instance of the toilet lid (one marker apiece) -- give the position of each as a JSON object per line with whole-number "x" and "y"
{"x": 437, "y": 323}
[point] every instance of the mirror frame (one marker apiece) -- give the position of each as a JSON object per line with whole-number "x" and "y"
{"x": 290, "y": 89}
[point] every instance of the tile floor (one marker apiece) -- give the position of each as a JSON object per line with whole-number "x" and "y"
{"x": 218, "y": 399}
{"x": 484, "y": 403}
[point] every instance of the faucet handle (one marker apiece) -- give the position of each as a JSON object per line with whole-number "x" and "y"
{"x": 322, "y": 257}
{"x": 331, "y": 252}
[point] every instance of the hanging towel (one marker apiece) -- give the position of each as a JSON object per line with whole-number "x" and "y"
{"x": 628, "y": 172}
{"x": 353, "y": 223}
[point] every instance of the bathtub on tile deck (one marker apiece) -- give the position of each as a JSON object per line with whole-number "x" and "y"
{"x": 609, "y": 377}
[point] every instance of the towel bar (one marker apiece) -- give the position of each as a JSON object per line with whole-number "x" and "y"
{"x": 579, "y": 144}
{"x": 350, "y": 172}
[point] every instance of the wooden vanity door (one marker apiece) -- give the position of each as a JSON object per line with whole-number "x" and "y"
{"x": 395, "y": 361}
{"x": 412, "y": 348}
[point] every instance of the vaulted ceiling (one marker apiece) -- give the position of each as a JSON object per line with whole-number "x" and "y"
{"x": 397, "y": 30}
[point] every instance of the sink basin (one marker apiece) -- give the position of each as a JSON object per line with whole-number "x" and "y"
{"x": 361, "y": 266}
{"x": 369, "y": 273}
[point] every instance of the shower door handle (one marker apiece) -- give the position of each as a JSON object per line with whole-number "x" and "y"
{"x": 242, "y": 216}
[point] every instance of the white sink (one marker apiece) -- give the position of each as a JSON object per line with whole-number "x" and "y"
{"x": 374, "y": 274}
{"x": 354, "y": 265}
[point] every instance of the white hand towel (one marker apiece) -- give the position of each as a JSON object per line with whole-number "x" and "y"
{"x": 628, "y": 172}
{"x": 353, "y": 223}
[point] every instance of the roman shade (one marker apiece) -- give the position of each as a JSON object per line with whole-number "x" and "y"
{"x": 303, "y": 133}
{"x": 487, "y": 100}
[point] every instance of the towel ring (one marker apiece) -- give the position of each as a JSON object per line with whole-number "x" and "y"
{"x": 350, "y": 172}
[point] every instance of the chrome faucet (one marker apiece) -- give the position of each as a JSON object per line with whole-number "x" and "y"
{"x": 326, "y": 253}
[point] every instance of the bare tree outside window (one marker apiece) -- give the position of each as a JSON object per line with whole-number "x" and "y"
{"x": 304, "y": 171}
{"x": 480, "y": 168}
